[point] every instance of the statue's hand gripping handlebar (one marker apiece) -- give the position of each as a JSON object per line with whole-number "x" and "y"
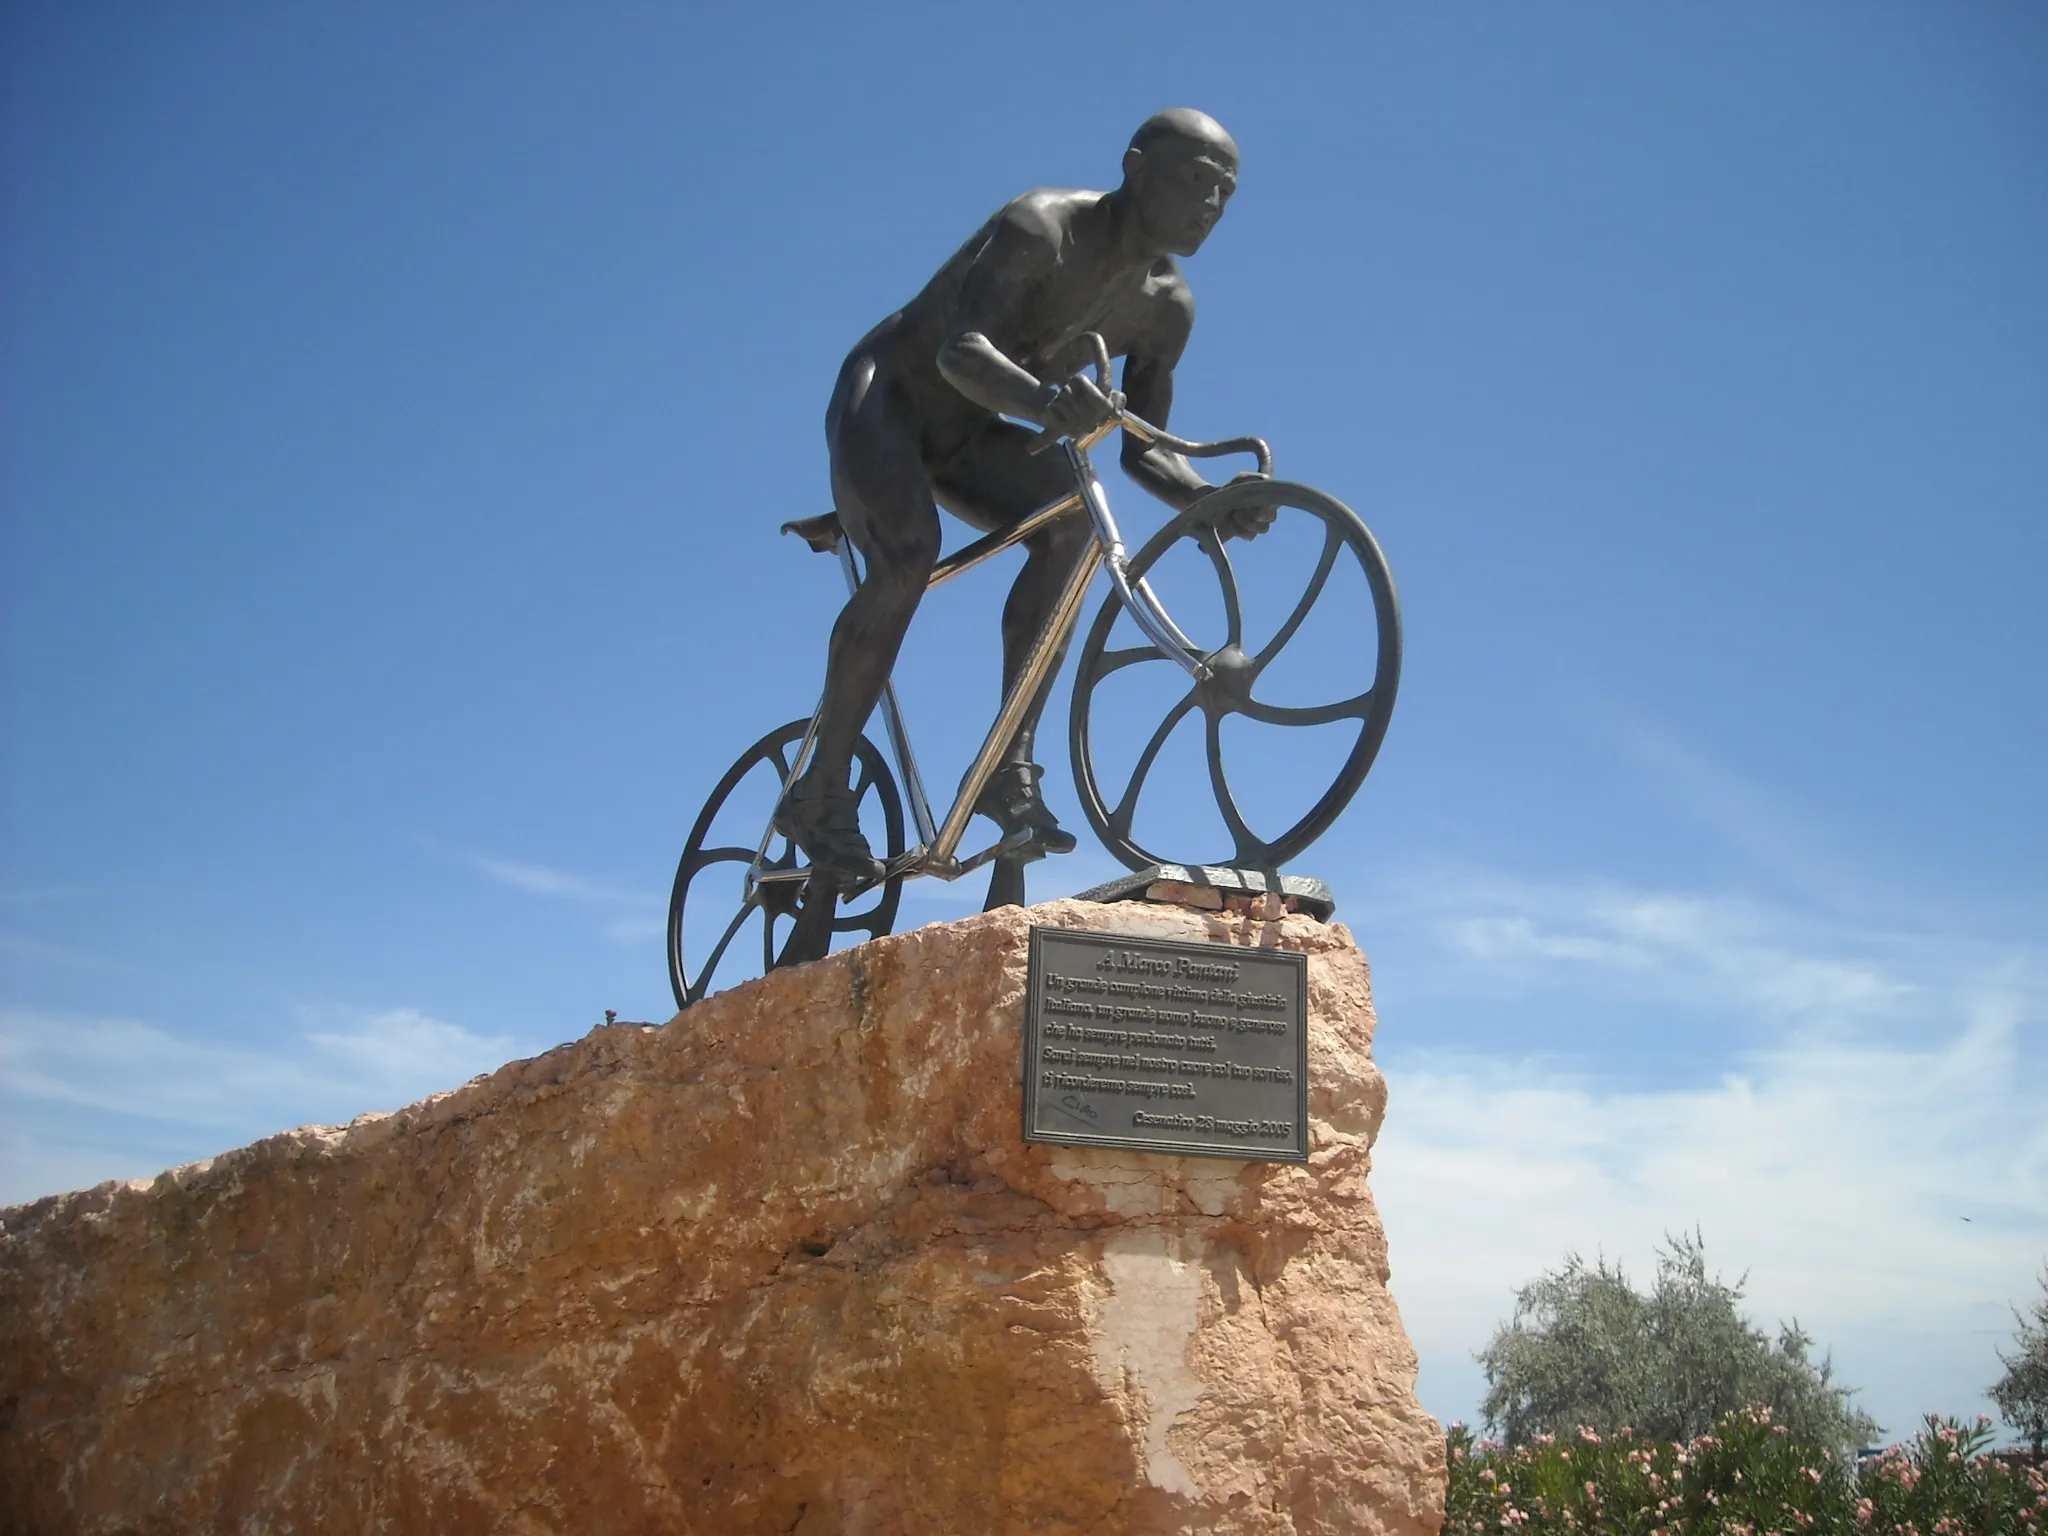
{"x": 1143, "y": 430}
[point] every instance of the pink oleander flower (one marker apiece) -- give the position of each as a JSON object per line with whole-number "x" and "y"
{"x": 1588, "y": 1434}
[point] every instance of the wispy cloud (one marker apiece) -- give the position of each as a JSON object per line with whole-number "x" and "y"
{"x": 26, "y": 947}
{"x": 1779, "y": 838}
{"x": 17, "y": 897}
{"x": 632, "y": 916}
{"x": 406, "y": 1052}
{"x": 1483, "y": 934}
{"x": 142, "y": 1086}
{"x": 540, "y": 880}
{"x": 1867, "y": 1142}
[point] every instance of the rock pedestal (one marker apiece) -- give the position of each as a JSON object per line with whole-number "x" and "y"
{"x": 783, "y": 1265}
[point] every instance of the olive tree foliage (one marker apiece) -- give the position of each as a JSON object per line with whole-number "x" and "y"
{"x": 1586, "y": 1348}
{"x": 2022, "y": 1392}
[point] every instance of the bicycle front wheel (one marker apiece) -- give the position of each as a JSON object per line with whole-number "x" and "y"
{"x": 1304, "y": 611}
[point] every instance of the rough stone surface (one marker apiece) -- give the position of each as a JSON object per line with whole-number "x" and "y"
{"x": 783, "y": 1265}
{"x": 1204, "y": 898}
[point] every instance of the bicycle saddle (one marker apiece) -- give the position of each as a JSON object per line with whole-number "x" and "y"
{"x": 822, "y": 533}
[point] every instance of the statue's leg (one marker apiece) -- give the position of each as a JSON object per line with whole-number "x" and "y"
{"x": 994, "y": 482}
{"x": 885, "y": 504}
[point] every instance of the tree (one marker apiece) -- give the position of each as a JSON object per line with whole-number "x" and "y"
{"x": 2022, "y": 1392}
{"x": 1586, "y": 1348}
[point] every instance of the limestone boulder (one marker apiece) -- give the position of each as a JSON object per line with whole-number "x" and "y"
{"x": 784, "y": 1264}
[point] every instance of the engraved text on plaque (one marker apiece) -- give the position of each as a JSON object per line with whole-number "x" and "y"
{"x": 1166, "y": 1046}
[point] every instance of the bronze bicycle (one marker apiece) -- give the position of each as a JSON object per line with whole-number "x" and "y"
{"x": 763, "y": 880}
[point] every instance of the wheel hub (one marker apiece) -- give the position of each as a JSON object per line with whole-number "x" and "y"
{"x": 1228, "y": 688}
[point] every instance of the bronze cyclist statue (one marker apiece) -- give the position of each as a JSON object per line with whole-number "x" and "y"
{"x": 954, "y": 401}
{"x": 918, "y": 421}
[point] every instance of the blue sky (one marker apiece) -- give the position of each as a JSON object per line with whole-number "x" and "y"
{"x": 400, "y": 402}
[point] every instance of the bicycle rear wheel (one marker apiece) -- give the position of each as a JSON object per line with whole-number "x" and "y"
{"x": 1358, "y": 671}
{"x": 773, "y": 922}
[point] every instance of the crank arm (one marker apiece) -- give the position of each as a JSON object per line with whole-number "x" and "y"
{"x": 802, "y": 874}
{"x": 1016, "y": 842}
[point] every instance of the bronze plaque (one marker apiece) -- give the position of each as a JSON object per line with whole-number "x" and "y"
{"x": 1164, "y": 1046}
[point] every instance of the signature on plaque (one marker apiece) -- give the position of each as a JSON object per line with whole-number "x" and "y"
{"x": 1076, "y": 1109}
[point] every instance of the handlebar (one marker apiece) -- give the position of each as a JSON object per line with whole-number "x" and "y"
{"x": 1158, "y": 437}
{"x": 1144, "y": 431}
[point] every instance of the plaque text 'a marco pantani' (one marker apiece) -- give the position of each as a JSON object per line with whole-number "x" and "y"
{"x": 1166, "y": 1046}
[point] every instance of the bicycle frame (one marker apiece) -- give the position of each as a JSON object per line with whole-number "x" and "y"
{"x": 933, "y": 852}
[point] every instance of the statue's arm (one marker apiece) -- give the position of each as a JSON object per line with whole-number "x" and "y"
{"x": 1016, "y": 256}
{"x": 985, "y": 374}
{"x": 1148, "y": 389}
{"x": 1022, "y": 250}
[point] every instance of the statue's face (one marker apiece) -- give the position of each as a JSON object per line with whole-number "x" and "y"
{"x": 1181, "y": 192}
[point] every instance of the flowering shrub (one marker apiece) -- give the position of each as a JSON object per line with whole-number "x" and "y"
{"x": 1750, "y": 1477}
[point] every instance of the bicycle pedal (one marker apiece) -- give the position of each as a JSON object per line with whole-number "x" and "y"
{"x": 1030, "y": 846}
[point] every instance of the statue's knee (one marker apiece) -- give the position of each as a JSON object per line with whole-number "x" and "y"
{"x": 903, "y": 569}
{"x": 1062, "y": 543}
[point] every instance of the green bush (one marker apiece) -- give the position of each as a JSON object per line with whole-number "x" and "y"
{"x": 1749, "y": 1477}
{"x": 1585, "y": 1347}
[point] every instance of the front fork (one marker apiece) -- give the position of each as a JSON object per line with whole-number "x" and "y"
{"x": 1138, "y": 599}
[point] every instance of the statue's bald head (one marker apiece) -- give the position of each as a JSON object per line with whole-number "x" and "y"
{"x": 1186, "y": 130}
{"x": 1178, "y": 173}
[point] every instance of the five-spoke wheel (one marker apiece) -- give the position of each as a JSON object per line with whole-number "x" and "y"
{"x": 1349, "y": 666}
{"x": 796, "y": 918}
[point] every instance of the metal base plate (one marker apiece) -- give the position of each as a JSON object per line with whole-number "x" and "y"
{"x": 1310, "y": 895}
